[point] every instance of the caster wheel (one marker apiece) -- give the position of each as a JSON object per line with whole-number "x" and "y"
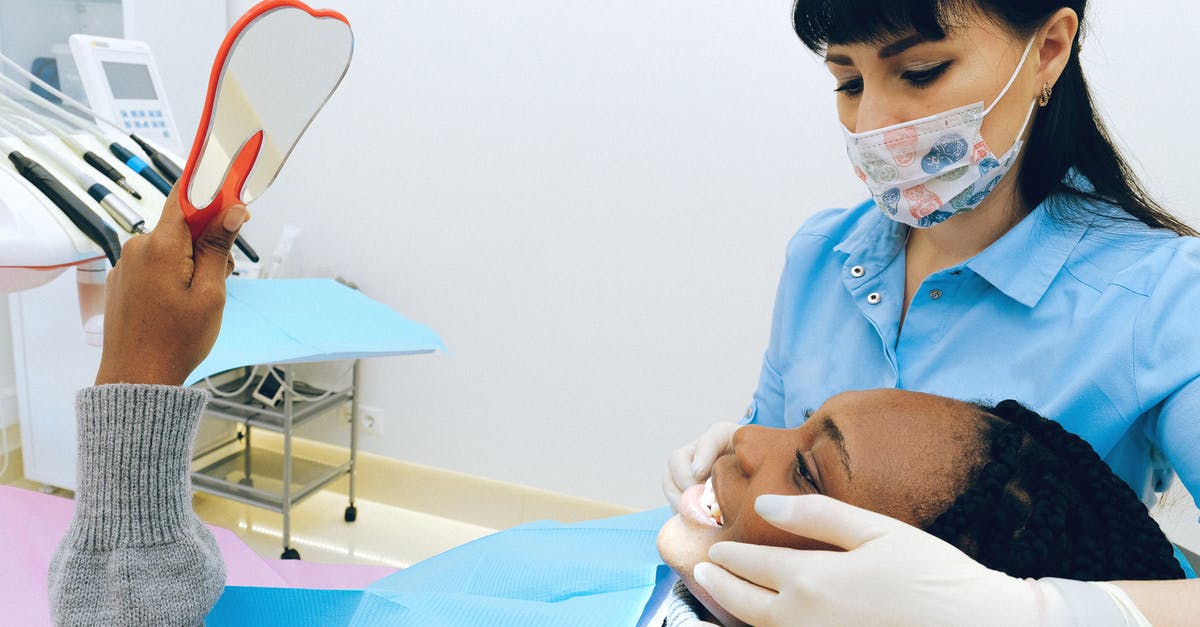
{"x": 290, "y": 554}
{"x": 246, "y": 481}
{"x": 351, "y": 513}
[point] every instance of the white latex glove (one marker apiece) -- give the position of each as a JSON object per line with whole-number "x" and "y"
{"x": 692, "y": 463}
{"x": 891, "y": 573}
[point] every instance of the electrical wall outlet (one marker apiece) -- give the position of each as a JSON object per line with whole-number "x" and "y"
{"x": 370, "y": 419}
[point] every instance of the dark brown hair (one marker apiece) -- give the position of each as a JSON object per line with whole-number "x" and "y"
{"x": 1067, "y": 135}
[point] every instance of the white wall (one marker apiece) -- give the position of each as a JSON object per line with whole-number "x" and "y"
{"x": 184, "y": 35}
{"x": 1140, "y": 60}
{"x": 589, "y": 201}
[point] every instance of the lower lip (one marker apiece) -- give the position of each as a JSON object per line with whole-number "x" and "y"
{"x": 691, "y": 509}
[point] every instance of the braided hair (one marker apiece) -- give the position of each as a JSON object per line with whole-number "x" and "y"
{"x": 1046, "y": 505}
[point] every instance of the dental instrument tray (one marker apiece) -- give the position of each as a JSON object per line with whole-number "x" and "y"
{"x": 264, "y": 476}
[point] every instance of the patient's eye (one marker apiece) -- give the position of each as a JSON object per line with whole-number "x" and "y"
{"x": 803, "y": 473}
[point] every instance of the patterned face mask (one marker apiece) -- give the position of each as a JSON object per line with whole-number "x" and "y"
{"x": 924, "y": 171}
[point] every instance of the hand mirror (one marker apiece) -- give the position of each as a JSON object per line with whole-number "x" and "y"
{"x": 276, "y": 68}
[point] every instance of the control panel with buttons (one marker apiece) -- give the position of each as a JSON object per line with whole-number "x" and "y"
{"x": 123, "y": 85}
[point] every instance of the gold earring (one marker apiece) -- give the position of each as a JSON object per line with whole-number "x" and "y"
{"x": 1046, "y": 91}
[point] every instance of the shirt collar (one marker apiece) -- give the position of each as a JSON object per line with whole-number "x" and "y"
{"x": 875, "y": 240}
{"x": 1024, "y": 261}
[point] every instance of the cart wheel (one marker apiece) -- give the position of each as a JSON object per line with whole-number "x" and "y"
{"x": 351, "y": 513}
{"x": 246, "y": 481}
{"x": 290, "y": 554}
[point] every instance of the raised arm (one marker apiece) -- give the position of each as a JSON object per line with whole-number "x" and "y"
{"x": 135, "y": 552}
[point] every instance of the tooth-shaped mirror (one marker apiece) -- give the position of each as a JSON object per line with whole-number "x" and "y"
{"x": 275, "y": 69}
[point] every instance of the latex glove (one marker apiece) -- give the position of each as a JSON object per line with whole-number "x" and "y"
{"x": 692, "y": 463}
{"x": 892, "y": 573}
{"x": 165, "y": 298}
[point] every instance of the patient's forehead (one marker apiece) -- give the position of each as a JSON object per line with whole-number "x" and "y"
{"x": 910, "y": 454}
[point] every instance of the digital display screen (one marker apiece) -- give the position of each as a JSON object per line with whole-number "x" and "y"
{"x": 129, "y": 81}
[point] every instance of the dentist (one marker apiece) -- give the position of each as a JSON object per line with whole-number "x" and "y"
{"x": 1007, "y": 251}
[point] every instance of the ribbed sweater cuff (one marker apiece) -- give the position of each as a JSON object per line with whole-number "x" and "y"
{"x": 135, "y": 450}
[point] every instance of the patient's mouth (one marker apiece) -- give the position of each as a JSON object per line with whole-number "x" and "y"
{"x": 697, "y": 503}
{"x": 708, "y": 500}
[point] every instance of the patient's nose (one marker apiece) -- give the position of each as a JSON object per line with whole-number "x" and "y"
{"x": 750, "y": 445}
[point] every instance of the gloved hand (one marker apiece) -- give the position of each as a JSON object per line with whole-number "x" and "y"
{"x": 691, "y": 464}
{"x": 892, "y": 573}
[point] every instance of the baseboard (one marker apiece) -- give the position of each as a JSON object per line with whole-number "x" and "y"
{"x": 446, "y": 493}
{"x": 15, "y": 469}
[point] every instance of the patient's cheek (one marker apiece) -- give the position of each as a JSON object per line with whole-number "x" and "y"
{"x": 754, "y": 530}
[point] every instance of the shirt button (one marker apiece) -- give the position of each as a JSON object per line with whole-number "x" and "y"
{"x": 874, "y": 298}
{"x": 935, "y": 294}
{"x": 857, "y": 272}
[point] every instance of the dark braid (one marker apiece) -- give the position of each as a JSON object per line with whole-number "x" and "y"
{"x": 1046, "y": 505}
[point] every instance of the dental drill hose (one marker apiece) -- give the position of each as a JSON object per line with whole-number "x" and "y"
{"x": 113, "y": 174}
{"x": 141, "y": 167}
{"x": 80, "y": 215}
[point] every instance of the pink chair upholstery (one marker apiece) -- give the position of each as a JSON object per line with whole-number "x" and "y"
{"x": 32, "y": 523}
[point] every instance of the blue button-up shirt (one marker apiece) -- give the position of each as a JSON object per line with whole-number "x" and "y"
{"x": 1094, "y": 322}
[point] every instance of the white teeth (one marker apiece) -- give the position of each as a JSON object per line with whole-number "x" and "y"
{"x": 708, "y": 499}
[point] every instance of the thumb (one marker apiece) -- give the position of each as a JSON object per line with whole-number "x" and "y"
{"x": 709, "y": 447}
{"x": 827, "y": 520}
{"x": 211, "y": 249}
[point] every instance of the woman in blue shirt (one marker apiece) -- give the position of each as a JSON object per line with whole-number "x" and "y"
{"x": 1059, "y": 283}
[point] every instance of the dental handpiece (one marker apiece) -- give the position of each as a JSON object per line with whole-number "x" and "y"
{"x": 93, "y": 159}
{"x": 141, "y": 167}
{"x": 170, "y": 170}
{"x": 112, "y": 173}
{"x": 123, "y": 214}
{"x": 80, "y": 215}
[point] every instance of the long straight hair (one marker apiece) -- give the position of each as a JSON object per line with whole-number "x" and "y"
{"x": 1067, "y": 134}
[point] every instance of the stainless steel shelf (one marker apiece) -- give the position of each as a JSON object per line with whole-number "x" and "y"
{"x": 254, "y": 476}
{"x": 237, "y": 470}
{"x": 243, "y": 408}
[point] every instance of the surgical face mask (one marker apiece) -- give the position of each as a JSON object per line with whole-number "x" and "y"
{"x": 924, "y": 171}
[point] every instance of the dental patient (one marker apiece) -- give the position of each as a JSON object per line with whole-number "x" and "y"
{"x": 1009, "y": 488}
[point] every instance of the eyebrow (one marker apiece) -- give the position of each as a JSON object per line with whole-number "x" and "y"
{"x": 886, "y": 52}
{"x": 834, "y": 434}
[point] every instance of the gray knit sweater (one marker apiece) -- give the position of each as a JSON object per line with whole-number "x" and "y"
{"x": 136, "y": 553}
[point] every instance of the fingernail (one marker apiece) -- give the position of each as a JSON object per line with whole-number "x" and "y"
{"x": 772, "y": 506}
{"x": 702, "y": 573}
{"x": 235, "y": 217}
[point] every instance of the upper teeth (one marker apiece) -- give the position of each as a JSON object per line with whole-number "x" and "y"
{"x": 708, "y": 498}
